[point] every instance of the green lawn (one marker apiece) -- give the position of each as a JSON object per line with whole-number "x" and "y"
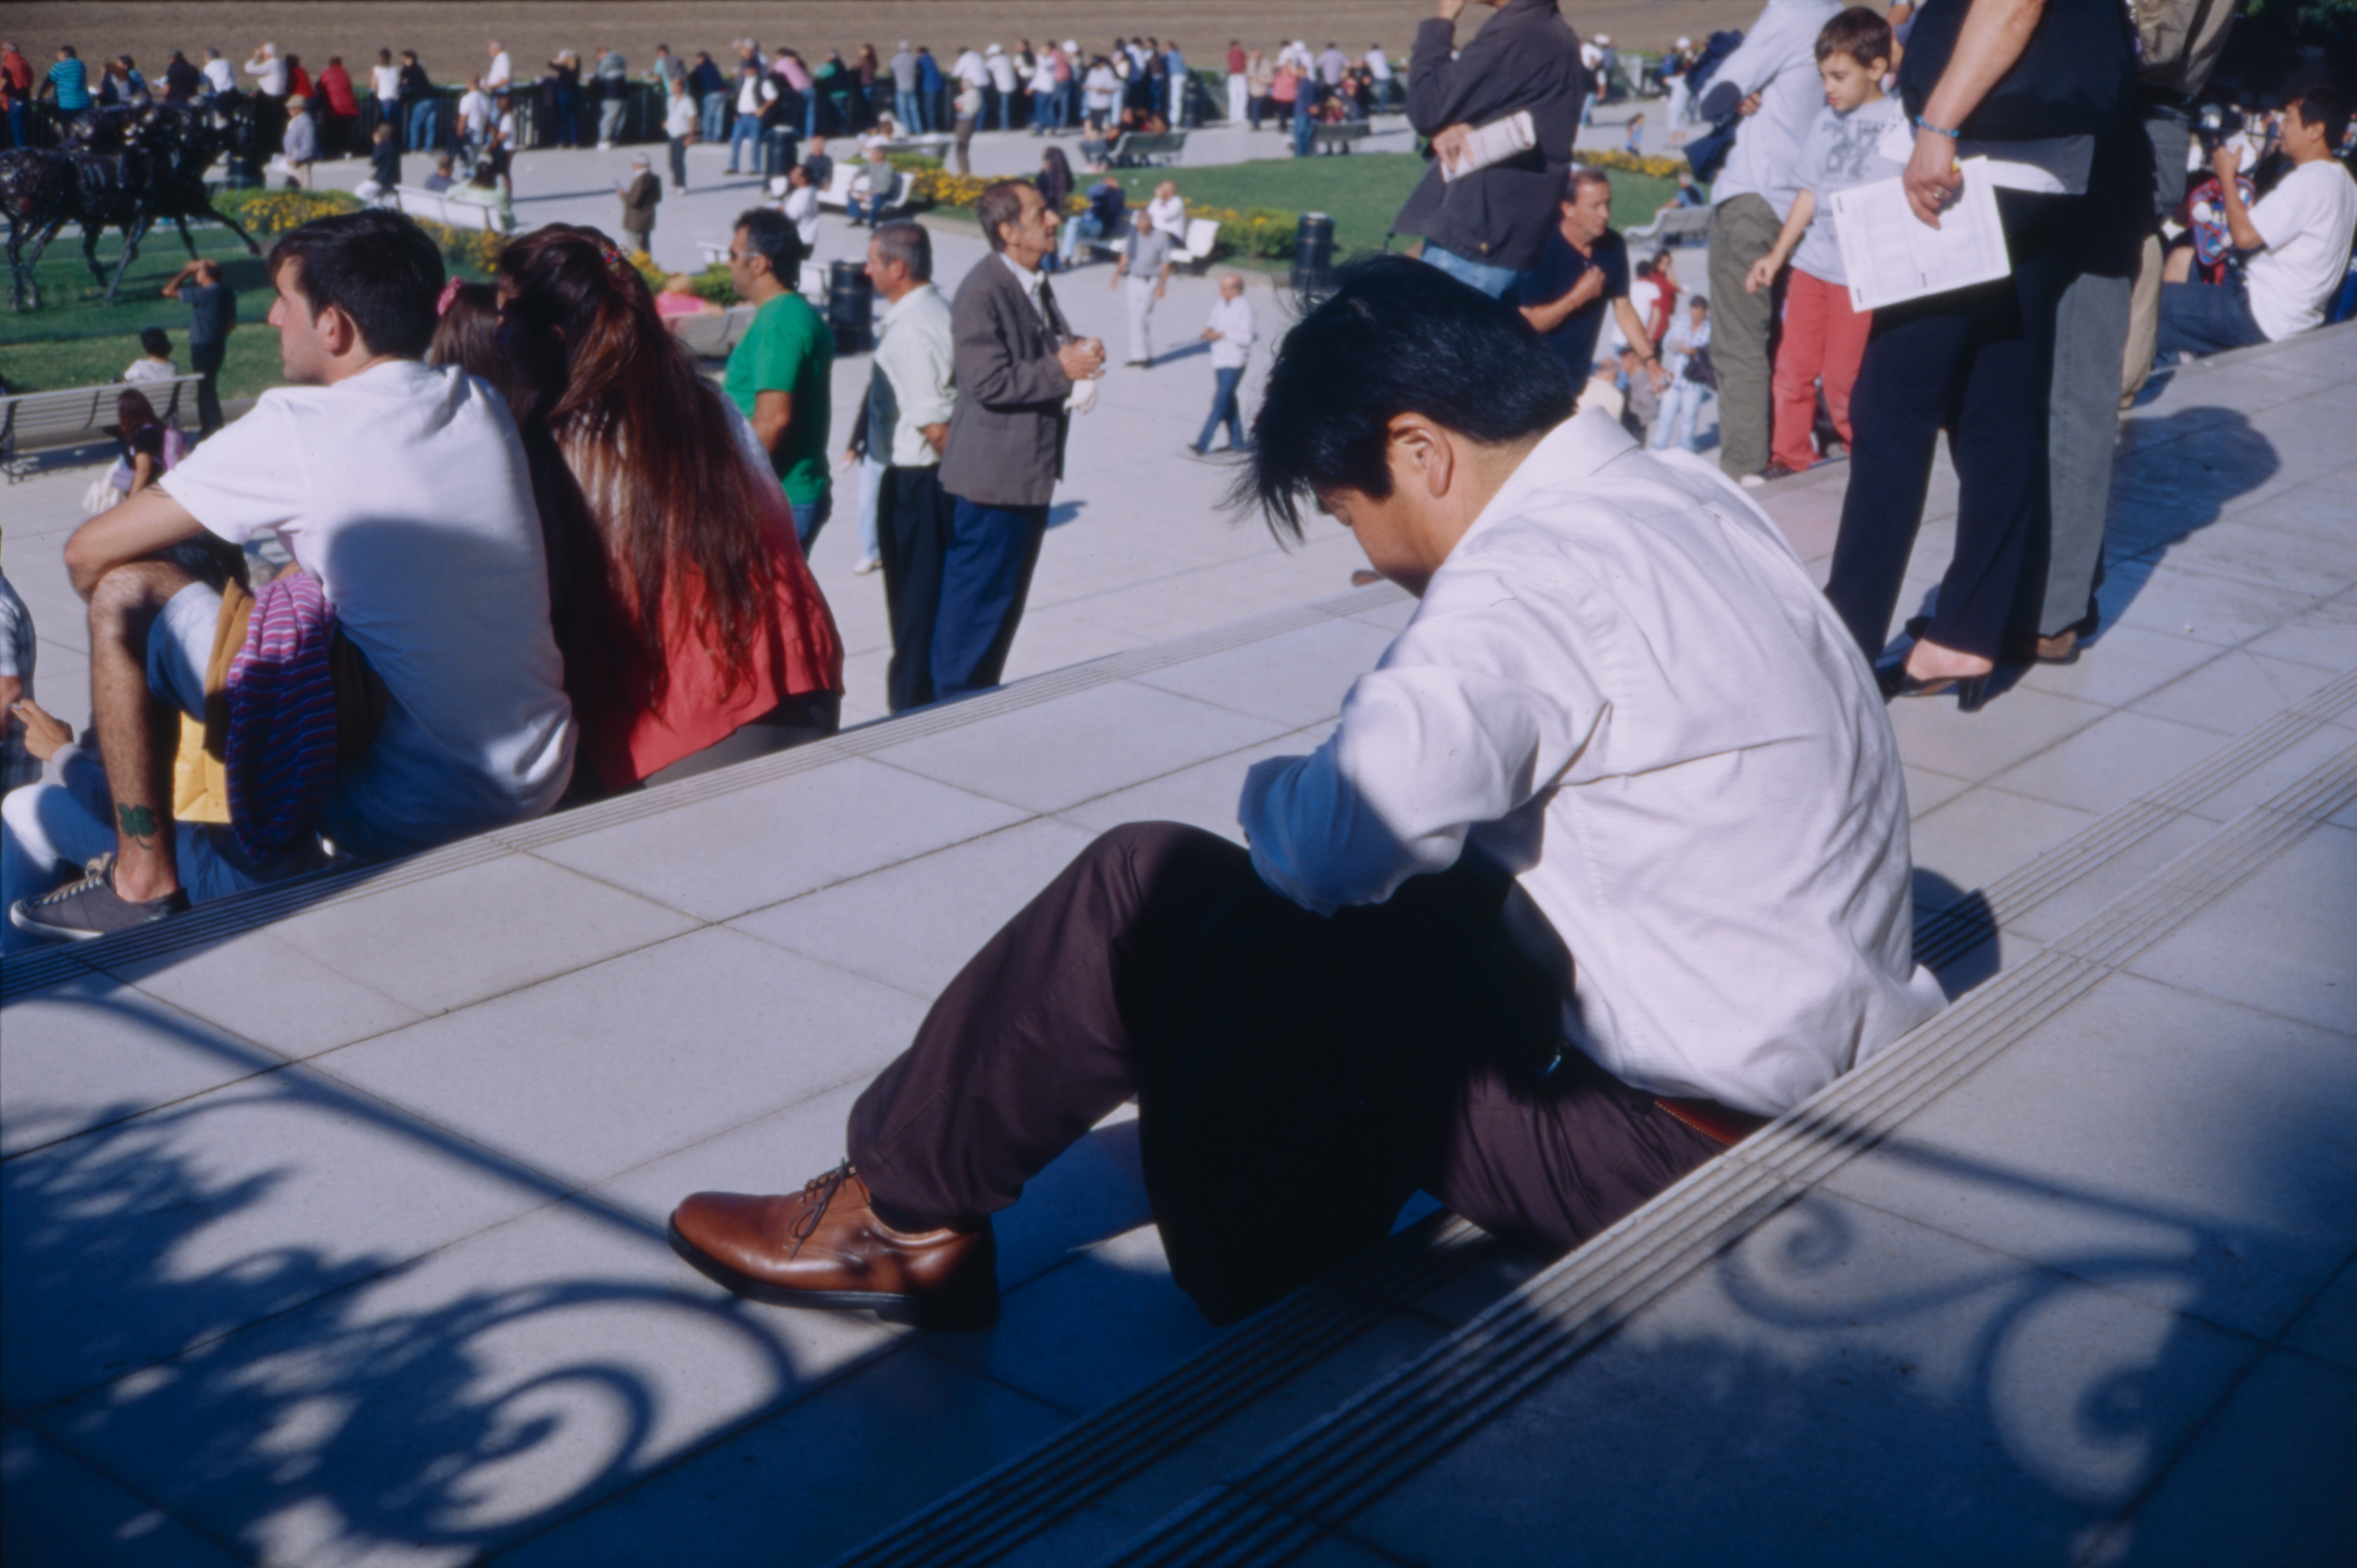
{"x": 251, "y": 367}
{"x": 73, "y": 304}
{"x": 1361, "y": 192}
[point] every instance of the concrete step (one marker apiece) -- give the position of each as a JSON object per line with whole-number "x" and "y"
{"x": 1372, "y": 1412}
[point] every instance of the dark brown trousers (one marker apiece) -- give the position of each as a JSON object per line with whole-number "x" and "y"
{"x": 1298, "y": 1078}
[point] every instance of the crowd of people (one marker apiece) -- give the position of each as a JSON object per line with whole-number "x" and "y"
{"x": 1482, "y": 941}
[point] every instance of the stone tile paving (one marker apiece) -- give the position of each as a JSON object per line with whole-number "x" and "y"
{"x": 340, "y": 1239}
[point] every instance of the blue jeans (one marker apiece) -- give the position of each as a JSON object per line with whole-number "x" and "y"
{"x": 716, "y": 116}
{"x": 20, "y": 123}
{"x": 871, "y": 491}
{"x": 746, "y": 133}
{"x": 1077, "y": 228}
{"x": 1675, "y": 422}
{"x": 2205, "y": 319}
{"x": 1493, "y": 281}
{"x": 986, "y": 577}
{"x": 905, "y": 110}
{"x": 1305, "y": 124}
{"x": 811, "y": 516}
{"x": 1223, "y": 412}
{"x": 425, "y": 124}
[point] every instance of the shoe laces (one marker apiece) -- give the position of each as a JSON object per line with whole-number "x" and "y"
{"x": 817, "y": 1193}
{"x": 98, "y": 873}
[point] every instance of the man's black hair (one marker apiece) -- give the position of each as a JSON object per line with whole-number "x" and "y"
{"x": 2326, "y": 105}
{"x": 1398, "y": 336}
{"x": 377, "y": 267}
{"x": 156, "y": 341}
{"x": 771, "y": 234}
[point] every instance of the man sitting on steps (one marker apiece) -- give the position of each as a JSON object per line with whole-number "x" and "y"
{"x": 402, "y": 489}
{"x": 1606, "y": 861}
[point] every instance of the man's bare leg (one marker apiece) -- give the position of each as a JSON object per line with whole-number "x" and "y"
{"x": 136, "y": 730}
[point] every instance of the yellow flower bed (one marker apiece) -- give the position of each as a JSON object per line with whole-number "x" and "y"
{"x": 477, "y": 248}
{"x": 274, "y": 212}
{"x": 1659, "y": 167}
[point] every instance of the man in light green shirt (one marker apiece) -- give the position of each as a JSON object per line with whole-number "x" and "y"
{"x": 909, "y": 400}
{"x": 777, "y": 373}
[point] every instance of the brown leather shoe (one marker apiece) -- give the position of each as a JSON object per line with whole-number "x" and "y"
{"x": 825, "y": 1247}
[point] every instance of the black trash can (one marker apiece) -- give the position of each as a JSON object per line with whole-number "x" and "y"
{"x": 1313, "y": 256}
{"x": 850, "y": 305}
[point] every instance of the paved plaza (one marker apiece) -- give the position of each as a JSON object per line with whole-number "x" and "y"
{"x": 333, "y": 1216}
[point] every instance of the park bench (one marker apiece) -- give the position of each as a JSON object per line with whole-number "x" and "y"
{"x": 1678, "y": 226}
{"x": 711, "y": 336}
{"x": 1203, "y": 236}
{"x": 436, "y": 207}
{"x": 1337, "y": 138}
{"x": 837, "y": 193}
{"x": 1137, "y": 149}
{"x": 73, "y": 416}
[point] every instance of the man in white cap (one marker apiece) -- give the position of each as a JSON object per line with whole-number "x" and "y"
{"x": 1673, "y": 73}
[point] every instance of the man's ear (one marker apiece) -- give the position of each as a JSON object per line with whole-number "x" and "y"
{"x": 342, "y": 333}
{"x": 1422, "y": 450}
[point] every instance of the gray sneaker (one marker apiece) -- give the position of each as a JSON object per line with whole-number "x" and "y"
{"x": 85, "y": 910}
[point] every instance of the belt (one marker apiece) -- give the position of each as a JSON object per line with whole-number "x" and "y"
{"x": 1713, "y": 1120}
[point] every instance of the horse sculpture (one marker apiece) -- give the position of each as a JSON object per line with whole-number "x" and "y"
{"x": 121, "y": 168}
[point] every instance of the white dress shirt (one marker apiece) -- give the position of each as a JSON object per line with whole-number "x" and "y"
{"x": 387, "y": 81}
{"x": 1622, "y": 687}
{"x": 1233, "y": 320}
{"x": 916, "y": 352}
{"x": 1777, "y": 60}
{"x": 218, "y": 72}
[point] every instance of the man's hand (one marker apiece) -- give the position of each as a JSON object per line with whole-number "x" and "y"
{"x": 1449, "y": 10}
{"x": 45, "y": 734}
{"x": 2227, "y": 165}
{"x": 1933, "y": 180}
{"x": 1448, "y": 145}
{"x": 1210, "y": 334}
{"x": 1081, "y": 359}
{"x": 1658, "y": 375}
{"x": 1587, "y": 291}
{"x": 1749, "y": 105}
{"x": 1762, "y": 275}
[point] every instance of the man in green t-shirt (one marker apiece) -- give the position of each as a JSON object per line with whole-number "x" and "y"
{"x": 778, "y": 370}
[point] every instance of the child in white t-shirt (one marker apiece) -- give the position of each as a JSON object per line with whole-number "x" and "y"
{"x": 1824, "y": 338}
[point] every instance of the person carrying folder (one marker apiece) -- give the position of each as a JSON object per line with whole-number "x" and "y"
{"x": 1490, "y": 226}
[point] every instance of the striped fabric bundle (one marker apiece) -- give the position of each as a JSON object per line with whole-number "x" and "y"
{"x": 282, "y": 717}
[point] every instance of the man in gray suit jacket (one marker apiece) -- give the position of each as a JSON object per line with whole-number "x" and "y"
{"x": 1016, "y": 362}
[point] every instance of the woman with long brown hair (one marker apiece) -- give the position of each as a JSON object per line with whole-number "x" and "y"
{"x": 693, "y": 633}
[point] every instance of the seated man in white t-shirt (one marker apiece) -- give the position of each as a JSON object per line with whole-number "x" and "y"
{"x": 404, "y": 490}
{"x": 2294, "y": 243}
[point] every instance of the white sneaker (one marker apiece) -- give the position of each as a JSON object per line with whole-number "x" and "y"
{"x": 1752, "y": 481}
{"x": 866, "y": 565}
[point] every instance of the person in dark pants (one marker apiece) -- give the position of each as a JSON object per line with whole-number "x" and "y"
{"x": 912, "y": 394}
{"x": 212, "y": 315}
{"x": 1979, "y": 359}
{"x": 1484, "y": 941}
{"x": 1017, "y": 363}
